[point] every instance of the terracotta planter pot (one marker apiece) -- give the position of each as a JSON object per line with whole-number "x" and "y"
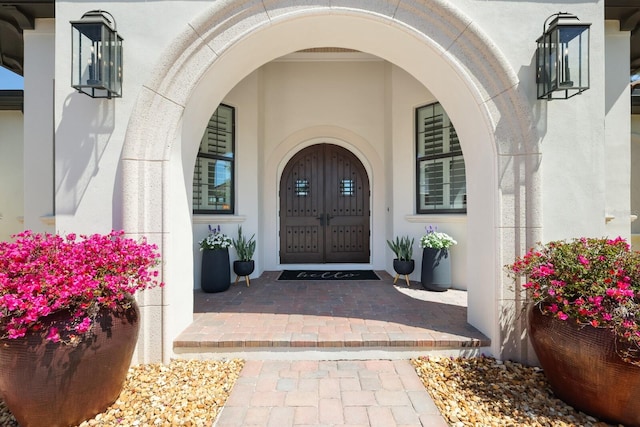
{"x": 47, "y": 384}
{"x": 584, "y": 370}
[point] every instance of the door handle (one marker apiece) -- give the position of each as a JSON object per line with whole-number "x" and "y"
{"x": 324, "y": 219}
{"x": 329, "y": 217}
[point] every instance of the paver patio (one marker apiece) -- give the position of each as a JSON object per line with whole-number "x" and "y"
{"x": 328, "y": 353}
{"x": 328, "y": 316}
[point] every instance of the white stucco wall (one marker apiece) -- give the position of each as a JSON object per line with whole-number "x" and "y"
{"x": 11, "y": 174}
{"x": 311, "y": 102}
{"x": 245, "y": 98}
{"x": 227, "y": 74}
{"x": 301, "y": 95}
{"x": 575, "y": 129}
{"x": 90, "y": 132}
{"x": 406, "y": 95}
{"x": 179, "y": 57}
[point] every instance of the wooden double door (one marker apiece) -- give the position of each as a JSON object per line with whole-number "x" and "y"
{"x": 324, "y": 207}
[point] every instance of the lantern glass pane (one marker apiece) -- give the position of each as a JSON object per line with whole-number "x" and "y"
{"x": 105, "y": 57}
{"x": 117, "y": 69}
{"x": 547, "y": 58}
{"x": 575, "y": 50}
{"x": 553, "y": 60}
{"x": 541, "y": 71}
{"x": 85, "y": 69}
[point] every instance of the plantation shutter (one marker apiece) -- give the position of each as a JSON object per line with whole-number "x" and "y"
{"x": 441, "y": 180}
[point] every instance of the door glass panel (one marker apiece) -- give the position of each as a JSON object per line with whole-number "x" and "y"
{"x": 302, "y": 187}
{"x": 347, "y": 188}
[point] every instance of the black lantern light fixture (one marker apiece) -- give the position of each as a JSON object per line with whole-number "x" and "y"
{"x": 562, "y": 57}
{"x": 96, "y": 64}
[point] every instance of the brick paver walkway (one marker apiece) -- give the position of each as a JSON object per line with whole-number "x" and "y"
{"x": 381, "y": 393}
{"x": 357, "y": 333}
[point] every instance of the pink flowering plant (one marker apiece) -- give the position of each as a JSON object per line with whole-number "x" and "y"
{"x": 589, "y": 281}
{"x": 41, "y": 274}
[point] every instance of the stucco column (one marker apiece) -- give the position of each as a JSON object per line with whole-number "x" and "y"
{"x": 617, "y": 124}
{"x": 39, "y": 53}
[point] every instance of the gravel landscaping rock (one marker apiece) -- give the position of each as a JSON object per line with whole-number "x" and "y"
{"x": 482, "y": 392}
{"x": 477, "y": 392}
{"x": 184, "y": 393}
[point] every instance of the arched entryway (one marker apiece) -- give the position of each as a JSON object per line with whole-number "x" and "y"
{"x": 465, "y": 72}
{"x": 324, "y": 207}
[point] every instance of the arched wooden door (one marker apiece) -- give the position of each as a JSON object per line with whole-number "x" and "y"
{"x": 324, "y": 207}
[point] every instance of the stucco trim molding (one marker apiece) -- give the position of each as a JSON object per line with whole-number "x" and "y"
{"x": 218, "y": 219}
{"x": 436, "y": 22}
{"x": 436, "y": 218}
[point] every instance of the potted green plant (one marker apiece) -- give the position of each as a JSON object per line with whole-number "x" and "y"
{"x": 215, "y": 275}
{"x": 69, "y": 322}
{"x": 403, "y": 263}
{"x": 435, "y": 273}
{"x": 583, "y": 311}
{"x": 245, "y": 249}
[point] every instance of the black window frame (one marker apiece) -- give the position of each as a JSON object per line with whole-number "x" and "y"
{"x": 451, "y": 155}
{"x": 222, "y": 158}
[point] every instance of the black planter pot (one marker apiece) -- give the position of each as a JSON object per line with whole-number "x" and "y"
{"x": 243, "y": 268}
{"x": 435, "y": 274}
{"x": 216, "y": 270}
{"x": 403, "y": 267}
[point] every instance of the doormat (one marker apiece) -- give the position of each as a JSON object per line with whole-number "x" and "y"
{"x": 328, "y": 275}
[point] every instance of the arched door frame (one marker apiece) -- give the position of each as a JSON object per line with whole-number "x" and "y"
{"x": 321, "y": 200}
{"x": 359, "y": 146}
{"x": 467, "y": 74}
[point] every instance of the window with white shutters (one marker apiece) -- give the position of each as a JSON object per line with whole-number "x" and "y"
{"x": 441, "y": 183}
{"x": 213, "y": 175}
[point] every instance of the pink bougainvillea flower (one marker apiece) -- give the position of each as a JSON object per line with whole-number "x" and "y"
{"x": 543, "y": 271}
{"x": 592, "y": 281}
{"x": 53, "y": 334}
{"x": 84, "y": 326}
{"x": 16, "y": 333}
{"x": 44, "y": 273}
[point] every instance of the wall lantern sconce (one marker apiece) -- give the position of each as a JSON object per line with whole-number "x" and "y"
{"x": 96, "y": 55}
{"x": 562, "y": 57}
